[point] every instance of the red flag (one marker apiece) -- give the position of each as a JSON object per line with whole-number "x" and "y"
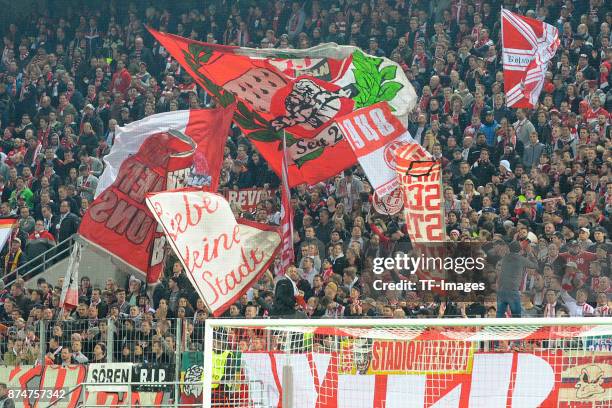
{"x": 118, "y": 220}
{"x": 146, "y": 158}
{"x": 208, "y": 128}
{"x": 287, "y": 251}
{"x": 300, "y": 93}
{"x": 528, "y": 46}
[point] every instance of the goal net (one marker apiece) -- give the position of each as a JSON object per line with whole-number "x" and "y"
{"x": 432, "y": 363}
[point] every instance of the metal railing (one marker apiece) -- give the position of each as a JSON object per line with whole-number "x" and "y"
{"x": 40, "y": 263}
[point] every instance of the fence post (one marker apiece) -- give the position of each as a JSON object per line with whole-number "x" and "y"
{"x": 178, "y": 340}
{"x": 110, "y": 340}
{"x": 42, "y": 337}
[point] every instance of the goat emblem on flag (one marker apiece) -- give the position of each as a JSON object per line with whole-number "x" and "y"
{"x": 303, "y": 94}
{"x": 528, "y": 47}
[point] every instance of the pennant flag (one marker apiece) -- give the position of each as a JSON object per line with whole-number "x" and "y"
{"x": 222, "y": 257}
{"x": 287, "y": 253}
{"x": 69, "y": 298}
{"x": 118, "y": 220}
{"x": 208, "y": 128}
{"x": 374, "y": 135}
{"x": 528, "y": 46}
{"x": 300, "y": 92}
{"x": 6, "y": 228}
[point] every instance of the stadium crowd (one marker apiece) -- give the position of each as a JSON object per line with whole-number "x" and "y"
{"x": 536, "y": 183}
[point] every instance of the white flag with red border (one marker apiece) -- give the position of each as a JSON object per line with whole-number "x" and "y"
{"x": 528, "y": 46}
{"x": 374, "y": 134}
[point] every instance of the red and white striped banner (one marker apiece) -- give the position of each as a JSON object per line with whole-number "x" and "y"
{"x": 528, "y": 46}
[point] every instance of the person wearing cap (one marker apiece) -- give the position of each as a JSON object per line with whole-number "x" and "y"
{"x": 600, "y": 236}
{"x": 373, "y": 48}
{"x": 14, "y": 257}
{"x": 489, "y": 127}
{"x": 584, "y": 238}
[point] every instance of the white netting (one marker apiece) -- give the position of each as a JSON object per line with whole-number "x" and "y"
{"x": 384, "y": 366}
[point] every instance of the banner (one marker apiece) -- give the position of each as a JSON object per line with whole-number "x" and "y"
{"x": 6, "y": 228}
{"x": 111, "y": 377}
{"x": 301, "y": 92}
{"x": 69, "y": 298}
{"x": 248, "y": 198}
{"x": 419, "y": 177}
{"x": 154, "y": 374}
{"x": 208, "y": 128}
{"x": 374, "y": 135}
{"x": 222, "y": 257}
{"x": 192, "y": 378}
{"x": 528, "y": 45}
{"x": 489, "y": 380}
{"x": 118, "y": 220}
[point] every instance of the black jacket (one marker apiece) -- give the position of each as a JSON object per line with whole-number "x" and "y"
{"x": 63, "y": 229}
{"x": 284, "y": 298}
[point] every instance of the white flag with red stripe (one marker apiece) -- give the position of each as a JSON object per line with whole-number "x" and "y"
{"x": 69, "y": 299}
{"x": 6, "y": 228}
{"x": 287, "y": 253}
{"x": 528, "y": 46}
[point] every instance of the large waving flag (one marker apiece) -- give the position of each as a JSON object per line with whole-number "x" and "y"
{"x": 301, "y": 92}
{"x": 528, "y": 46}
{"x": 208, "y": 128}
{"x": 222, "y": 257}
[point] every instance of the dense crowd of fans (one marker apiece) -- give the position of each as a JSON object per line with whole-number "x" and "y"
{"x": 538, "y": 182}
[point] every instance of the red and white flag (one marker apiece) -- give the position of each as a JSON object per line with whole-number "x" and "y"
{"x": 528, "y": 46}
{"x": 287, "y": 253}
{"x": 223, "y": 257}
{"x": 69, "y": 299}
{"x": 374, "y": 134}
{"x": 208, "y": 128}
{"x": 6, "y": 228}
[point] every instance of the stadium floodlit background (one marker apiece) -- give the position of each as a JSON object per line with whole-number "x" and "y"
{"x": 71, "y": 71}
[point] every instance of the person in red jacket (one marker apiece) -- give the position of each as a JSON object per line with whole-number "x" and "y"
{"x": 122, "y": 79}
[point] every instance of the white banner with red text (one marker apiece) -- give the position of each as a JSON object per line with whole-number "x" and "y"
{"x": 223, "y": 257}
{"x": 374, "y": 134}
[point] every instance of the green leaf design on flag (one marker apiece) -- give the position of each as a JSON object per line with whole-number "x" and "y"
{"x": 264, "y": 135}
{"x": 308, "y": 157}
{"x": 374, "y": 84}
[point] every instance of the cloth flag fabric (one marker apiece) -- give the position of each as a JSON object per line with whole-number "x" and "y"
{"x": 528, "y": 46}
{"x": 6, "y": 228}
{"x": 118, "y": 220}
{"x": 374, "y": 134}
{"x": 287, "y": 251}
{"x": 419, "y": 175}
{"x": 222, "y": 257}
{"x": 69, "y": 298}
{"x": 300, "y": 92}
{"x": 208, "y": 128}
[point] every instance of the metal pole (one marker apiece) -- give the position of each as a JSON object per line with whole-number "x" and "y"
{"x": 177, "y": 359}
{"x": 110, "y": 340}
{"x": 42, "y": 335}
{"x": 287, "y": 386}
{"x": 208, "y": 350}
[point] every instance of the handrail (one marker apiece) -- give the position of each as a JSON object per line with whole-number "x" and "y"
{"x": 46, "y": 259}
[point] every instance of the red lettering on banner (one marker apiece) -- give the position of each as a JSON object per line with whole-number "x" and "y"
{"x": 191, "y": 216}
{"x": 225, "y": 284}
